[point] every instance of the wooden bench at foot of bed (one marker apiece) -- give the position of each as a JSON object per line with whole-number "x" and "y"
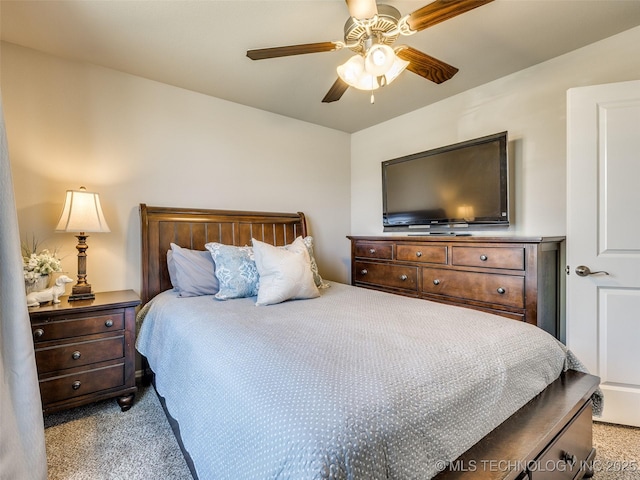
{"x": 550, "y": 438}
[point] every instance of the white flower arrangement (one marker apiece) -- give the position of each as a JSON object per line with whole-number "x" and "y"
{"x": 35, "y": 264}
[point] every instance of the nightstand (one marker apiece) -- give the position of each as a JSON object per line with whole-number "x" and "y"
{"x": 85, "y": 350}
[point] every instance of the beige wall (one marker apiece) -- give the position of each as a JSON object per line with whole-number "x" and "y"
{"x": 529, "y": 104}
{"x": 138, "y": 141}
{"x": 135, "y": 140}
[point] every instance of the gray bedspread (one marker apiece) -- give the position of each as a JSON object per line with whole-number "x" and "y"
{"x": 355, "y": 384}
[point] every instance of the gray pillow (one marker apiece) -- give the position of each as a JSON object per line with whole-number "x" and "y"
{"x": 192, "y": 272}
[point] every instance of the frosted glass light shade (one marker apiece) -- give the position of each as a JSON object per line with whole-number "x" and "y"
{"x": 82, "y": 213}
{"x": 396, "y": 69}
{"x": 379, "y": 60}
{"x": 353, "y": 73}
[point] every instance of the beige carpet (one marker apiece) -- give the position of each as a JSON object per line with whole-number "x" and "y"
{"x": 99, "y": 442}
{"x": 618, "y": 452}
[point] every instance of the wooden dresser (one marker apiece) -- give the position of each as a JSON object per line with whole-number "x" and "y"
{"x": 85, "y": 350}
{"x": 516, "y": 277}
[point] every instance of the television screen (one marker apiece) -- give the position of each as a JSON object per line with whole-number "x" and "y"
{"x": 465, "y": 183}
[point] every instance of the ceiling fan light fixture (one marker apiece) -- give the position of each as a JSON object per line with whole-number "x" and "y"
{"x": 396, "y": 69}
{"x": 353, "y": 73}
{"x": 379, "y": 59}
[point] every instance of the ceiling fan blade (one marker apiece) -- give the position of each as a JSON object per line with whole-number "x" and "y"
{"x": 426, "y": 66}
{"x": 439, "y": 11}
{"x": 273, "y": 52}
{"x": 336, "y": 91}
{"x": 362, "y": 9}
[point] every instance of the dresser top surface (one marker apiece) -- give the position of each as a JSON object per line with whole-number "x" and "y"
{"x": 456, "y": 238}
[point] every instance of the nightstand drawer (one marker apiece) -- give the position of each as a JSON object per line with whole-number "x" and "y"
{"x": 381, "y": 250}
{"x": 74, "y": 385}
{"x": 387, "y": 275}
{"x": 422, "y": 253}
{"x": 76, "y": 354}
{"x": 510, "y": 258}
{"x": 76, "y": 326}
{"x": 484, "y": 287}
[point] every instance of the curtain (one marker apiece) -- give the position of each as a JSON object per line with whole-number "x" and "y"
{"x": 22, "y": 447}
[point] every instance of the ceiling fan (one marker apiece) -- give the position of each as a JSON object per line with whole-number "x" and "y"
{"x": 369, "y": 32}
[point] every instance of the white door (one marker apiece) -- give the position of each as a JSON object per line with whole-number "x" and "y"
{"x": 603, "y": 235}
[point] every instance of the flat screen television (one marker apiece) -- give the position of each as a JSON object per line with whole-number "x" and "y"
{"x": 460, "y": 185}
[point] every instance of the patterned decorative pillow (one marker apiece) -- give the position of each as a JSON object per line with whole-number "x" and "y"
{"x": 285, "y": 273}
{"x": 308, "y": 242}
{"x": 235, "y": 270}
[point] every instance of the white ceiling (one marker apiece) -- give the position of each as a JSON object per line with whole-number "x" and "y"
{"x": 201, "y": 46}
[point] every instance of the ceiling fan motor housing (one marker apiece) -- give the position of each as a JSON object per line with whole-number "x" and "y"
{"x": 358, "y": 36}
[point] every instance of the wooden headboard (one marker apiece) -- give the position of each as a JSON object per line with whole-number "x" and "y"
{"x": 192, "y": 228}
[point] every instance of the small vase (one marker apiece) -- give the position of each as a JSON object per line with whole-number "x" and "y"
{"x": 41, "y": 283}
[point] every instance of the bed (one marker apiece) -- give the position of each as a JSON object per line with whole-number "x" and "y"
{"x": 351, "y": 383}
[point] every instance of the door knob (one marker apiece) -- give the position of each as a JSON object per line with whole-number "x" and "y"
{"x": 584, "y": 271}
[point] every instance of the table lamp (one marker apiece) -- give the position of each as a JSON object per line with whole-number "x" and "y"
{"x": 82, "y": 213}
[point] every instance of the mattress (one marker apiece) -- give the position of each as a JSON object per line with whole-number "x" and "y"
{"x": 354, "y": 384}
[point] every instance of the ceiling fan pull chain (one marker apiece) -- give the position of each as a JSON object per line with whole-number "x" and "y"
{"x": 373, "y": 99}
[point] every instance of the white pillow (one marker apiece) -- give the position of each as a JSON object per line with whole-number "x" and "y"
{"x": 285, "y": 273}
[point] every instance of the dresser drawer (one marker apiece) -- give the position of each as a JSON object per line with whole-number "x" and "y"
{"x": 381, "y": 250}
{"x": 63, "y": 327}
{"x": 511, "y": 258}
{"x": 567, "y": 454}
{"x": 422, "y": 253}
{"x": 505, "y": 290}
{"x": 74, "y": 385}
{"x": 387, "y": 275}
{"x": 76, "y": 354}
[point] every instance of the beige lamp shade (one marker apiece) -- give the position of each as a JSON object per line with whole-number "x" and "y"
{"x": 82, "y": 213}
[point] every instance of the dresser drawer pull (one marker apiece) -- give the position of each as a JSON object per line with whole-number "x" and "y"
{"x": 484, "y": 258}
{"x": 76, "y": 355}
{"x": 108, "y": 323}
{"x": 363, "y": 271}
{"x": 372, "y": 251}
{"x": 418, "y": 254}
{"x": 76, "y": 385}
{"x": 436, "y": 282}
{"x": 570, "y": 458}
{"x": 403, "y": 277}
{"x": 501, "y": 290}
{"x": 38, "y": 333}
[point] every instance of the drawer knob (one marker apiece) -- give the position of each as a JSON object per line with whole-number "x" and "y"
{"x": 38, "y": 333}
{"x": 570, "y": 458}
{"x": 418, "y": 254}
{"x": 484, "y": 258}
{"x": 363, "y": 271}
{"x": 436, "y": 282}
{"x": 372, "y": 251}
{"x": 76, "y": 385}
{"x": 403, "y": 277}
{"x": 501, "y": 290}
{"x": 108, "y": 323}
{"x": 76, "y": 355}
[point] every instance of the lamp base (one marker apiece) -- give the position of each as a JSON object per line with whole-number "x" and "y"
{"x": 82, "y": 296}
{"x": 81, "y": 292}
